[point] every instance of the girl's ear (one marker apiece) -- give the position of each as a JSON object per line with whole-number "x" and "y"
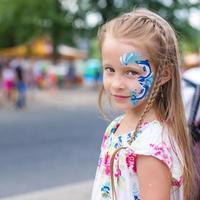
{"x": 166, "y": 76}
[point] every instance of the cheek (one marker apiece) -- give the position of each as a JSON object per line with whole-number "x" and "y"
{"x": 134, "y": 85}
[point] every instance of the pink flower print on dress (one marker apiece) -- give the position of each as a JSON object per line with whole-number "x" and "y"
{"x": 162, "y": 152}
{"x": 177, "y": 183}
{"x": 130, "y": 161}
{"x": 105, "y": 137}
{"x": 143, "y": 124}
{"x": 118, "y": 171}
{"x": 107, "y": 164}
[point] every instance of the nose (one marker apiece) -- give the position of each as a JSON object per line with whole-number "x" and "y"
{"x": 118, "y": 82}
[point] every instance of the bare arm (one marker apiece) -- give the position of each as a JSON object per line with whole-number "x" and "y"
{"x": 154, "y": 178}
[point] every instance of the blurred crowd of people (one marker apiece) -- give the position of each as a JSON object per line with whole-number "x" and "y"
{"x": 17, "y": 75}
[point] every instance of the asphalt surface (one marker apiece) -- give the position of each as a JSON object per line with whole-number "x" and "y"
{"x": 52, "y": 146}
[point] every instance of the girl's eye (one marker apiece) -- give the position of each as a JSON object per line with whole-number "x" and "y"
{"x": 109, "y": 69}
{"x": 131, "y": 73}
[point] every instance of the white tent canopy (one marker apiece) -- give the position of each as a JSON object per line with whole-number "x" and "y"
{"x": 71, "y": 52}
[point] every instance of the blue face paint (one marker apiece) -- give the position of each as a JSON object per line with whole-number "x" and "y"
{"x": 129, "y": 58}
{"x": 145, "y": 80}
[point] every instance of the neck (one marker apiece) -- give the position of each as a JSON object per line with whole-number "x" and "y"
{"x": 135, "y": 114}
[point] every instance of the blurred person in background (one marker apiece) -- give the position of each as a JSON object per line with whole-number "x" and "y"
{"x": 70, "y": 78}
{"x": 20, "y": 87}
{"x": 8, "y": 82}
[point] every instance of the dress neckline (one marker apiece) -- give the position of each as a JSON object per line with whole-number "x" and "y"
{"x": 144, "y": 125}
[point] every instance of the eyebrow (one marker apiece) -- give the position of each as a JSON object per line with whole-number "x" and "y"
{"x": 134, "y": 67}
{"x": 106, "y": 65}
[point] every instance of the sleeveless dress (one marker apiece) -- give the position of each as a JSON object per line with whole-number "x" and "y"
{"x": 151, "y": 140}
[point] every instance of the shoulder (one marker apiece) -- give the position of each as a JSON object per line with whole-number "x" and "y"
{"x": 156, "y": 140}
{"x": 155, "y": 132}
{"x": 113, "y": 125}
{"x": 110, "y": 129}
{"x": 150, "y": 133}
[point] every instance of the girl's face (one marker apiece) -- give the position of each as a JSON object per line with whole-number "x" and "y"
{"x": 127, "y": 74}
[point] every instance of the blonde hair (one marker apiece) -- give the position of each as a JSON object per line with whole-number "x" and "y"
{"x": 161, "y": 44}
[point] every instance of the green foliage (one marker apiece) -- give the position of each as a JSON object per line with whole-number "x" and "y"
{"x": 23, "y": 20}
{"x": 175, "y": 12}
{"x": 95, "y": 53}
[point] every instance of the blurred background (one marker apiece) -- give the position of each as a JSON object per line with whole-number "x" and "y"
{"x": 50, "y": 74}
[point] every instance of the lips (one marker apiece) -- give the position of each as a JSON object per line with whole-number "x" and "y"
{"x": 118, "y": 96}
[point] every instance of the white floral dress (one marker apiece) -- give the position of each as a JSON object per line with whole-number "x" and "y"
{"x": 151, "y": 140}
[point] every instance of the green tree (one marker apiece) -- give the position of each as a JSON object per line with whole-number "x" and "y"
{"x": 66, "y": 21}
{"x": 21, "y": 21}
{"x": 176, "y": 12}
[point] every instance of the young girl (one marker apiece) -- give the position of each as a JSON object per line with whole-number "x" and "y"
{"x": 145, "y": 153}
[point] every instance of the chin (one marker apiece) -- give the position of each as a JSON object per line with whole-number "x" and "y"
{"x": 122, "y": 107}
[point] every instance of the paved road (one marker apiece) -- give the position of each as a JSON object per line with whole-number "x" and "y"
{"x": 49, "y": 146}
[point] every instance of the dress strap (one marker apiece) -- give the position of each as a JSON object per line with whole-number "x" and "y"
{"x": 114, "y": 195}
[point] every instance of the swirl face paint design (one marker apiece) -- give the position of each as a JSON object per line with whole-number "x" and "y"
{"x": 145, "y": 80}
